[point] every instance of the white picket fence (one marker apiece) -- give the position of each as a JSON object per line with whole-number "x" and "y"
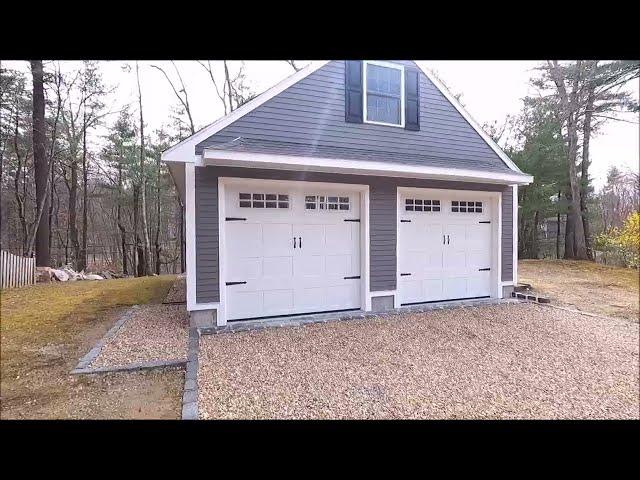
{"x": 17, "y": 271}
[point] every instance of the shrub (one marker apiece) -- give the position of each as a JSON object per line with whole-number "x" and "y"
{"x": 623, "y": 243}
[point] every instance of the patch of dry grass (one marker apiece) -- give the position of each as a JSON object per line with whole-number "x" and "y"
{"x": 46, "y": 328}
{"x": 585, "y": 286}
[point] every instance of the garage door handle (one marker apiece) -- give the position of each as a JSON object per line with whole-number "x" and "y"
{"x": 294, "y": 242}
{"x": 443, "y": 240}
{"x": 447, "y": 239}
{"x": 300, "y": 242}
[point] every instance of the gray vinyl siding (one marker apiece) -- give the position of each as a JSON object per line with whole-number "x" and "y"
{"x": 507, "y": 234}
{"x": 207, "y": 238}
{"x": 312, "y": 112}
{"x": 382, "y": 220}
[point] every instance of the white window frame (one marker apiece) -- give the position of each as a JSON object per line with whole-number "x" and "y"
{"x": 365, "y": 66}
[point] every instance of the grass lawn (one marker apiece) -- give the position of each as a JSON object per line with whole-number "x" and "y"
{"x": 586, "y": 286}
{"x": 47, "y": 328}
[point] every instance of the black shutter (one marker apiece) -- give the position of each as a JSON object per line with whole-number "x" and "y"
{"x": 353, "y": 91}
{"x": 411, "y": 100}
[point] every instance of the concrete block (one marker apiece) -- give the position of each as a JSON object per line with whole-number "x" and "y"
{"x": 202, "y": 318}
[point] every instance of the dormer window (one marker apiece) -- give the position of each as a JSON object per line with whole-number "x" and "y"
{"x": 383, "y": 93}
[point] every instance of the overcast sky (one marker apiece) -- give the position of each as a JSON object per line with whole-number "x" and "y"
{"x": 491, "y": 90}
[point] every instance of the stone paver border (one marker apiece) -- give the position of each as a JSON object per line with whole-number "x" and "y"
{"x": 83, "y": 366}
{"x": 342, "y": 316}
{"x": 131, "y": 367}
{"x": 190, "y": 395}
{"x": 85, "y": 361}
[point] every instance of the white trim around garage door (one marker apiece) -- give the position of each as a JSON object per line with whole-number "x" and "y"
{"x": 223, "y": 182}
{"x": 496, "y": 231}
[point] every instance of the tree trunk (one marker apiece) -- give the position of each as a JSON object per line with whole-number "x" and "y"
{"x": 158, "y": 223}
{"x": 123, "y": 233}
{"x": 558, "y": 232}
{"x": 569, "y": 103}
{"x": 82, "y": 260}
{"x": 143, "y": 185}
{"x": 136, "y": 209}
{"x": 73, "y": 199}
{"x": 584, "y": 178}
{"x": 534, "y": 240}
{"x": 41, "y": 165}
{"x": 228, "y": 80}
{"x": 569, "y": 237}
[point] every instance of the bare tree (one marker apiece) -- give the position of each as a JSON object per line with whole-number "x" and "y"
{"x": 143, "y": 182}
{"x": 221, "y": 95}
{"x": 41, "y": 165}
{"x": 293, "y": 65}
{"x": 182, "y": 95}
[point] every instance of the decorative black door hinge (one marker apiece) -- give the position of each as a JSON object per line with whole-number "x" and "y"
{"x": 485, "y": 221}
{"x": 235, "y": 219}
{"x": 405, "y": 221}
{"x": 404, "y": 274}
{"x": 352, "y": 278}
{"x": 235, "y": 283}
{"x": 351, "y": 219}
{"x": 484, "y": 269}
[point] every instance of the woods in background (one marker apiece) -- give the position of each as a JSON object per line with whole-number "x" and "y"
{"x": 551, "y": 141}
{"x": 111, "y": 204}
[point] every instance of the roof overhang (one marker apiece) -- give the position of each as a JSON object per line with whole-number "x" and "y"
{"x": 215, "y": 157}
{"x": 176, "y": 170}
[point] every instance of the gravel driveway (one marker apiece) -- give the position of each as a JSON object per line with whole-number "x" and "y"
{"x": 153, "y": 332}
{"x": 500, "y": 361}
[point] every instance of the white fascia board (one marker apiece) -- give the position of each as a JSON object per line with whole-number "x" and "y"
{"x": 496, "y": 148}
{"x": 356, "y": 167}
{"x": 184, "y": 151}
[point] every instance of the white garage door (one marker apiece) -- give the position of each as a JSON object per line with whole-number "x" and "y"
{"x": 445, "y": 246}
{"x": 291, "y": 249}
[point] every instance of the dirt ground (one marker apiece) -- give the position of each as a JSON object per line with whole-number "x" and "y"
{"x": 46, "y": 329}
{"x": 585, "y": 286}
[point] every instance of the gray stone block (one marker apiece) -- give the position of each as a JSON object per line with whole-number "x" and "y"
{"x": 190, "y": 411}
{"x": 190, "y": 396}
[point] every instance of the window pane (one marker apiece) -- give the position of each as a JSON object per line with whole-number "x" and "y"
{"x": 258, "y": 196}
{"x": 284, "y": 198}
{"x": 245, "y": 204}
{"x": 245, "y": 196}
{"x": 383, "y": 109}
{"x": 272, "y": 204}
{"x": 271, "y": 196}
{"x": 383, "y": 80}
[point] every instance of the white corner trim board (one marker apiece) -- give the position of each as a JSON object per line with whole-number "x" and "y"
{"x": 190, "y": 233}
{"x": 515, "y": 234}
{"x": 361, "y": 167}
